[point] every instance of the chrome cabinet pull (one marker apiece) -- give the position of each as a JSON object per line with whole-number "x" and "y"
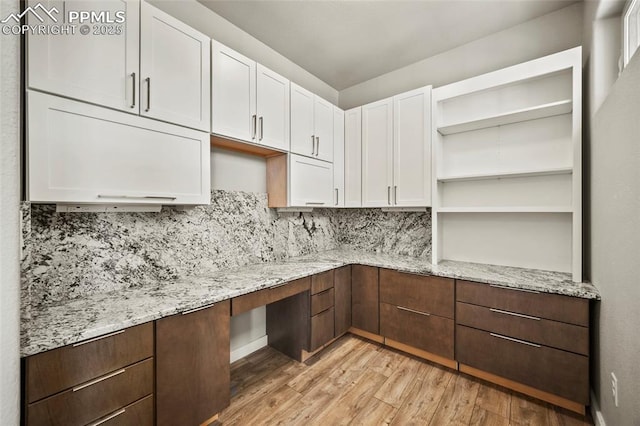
{"x": 278, "y": 285}
{"x": 133, "y": 99}
{"x": 148, "y": 80}
{"x": 511, "y": 339}
{"x": 337, "y": 198}
{"x": 99, "y": 379}
{"x": 389, "y": 195}
{"x": 109, "y": 417}
{"x": 317, "y": 145}
{"x": 145, "y": 197}
{"x": 500, "y": 311}
{"x": 513, "y": 288}
{"x": 313, "y": 145}
{"x": 395, "y": 194}
{"x": 75, "y": 345}
{"x": 309, "y": 203}
{"x": 201, "y": 308}
{"x": 426, "y": 314}
{"x": 254, "y": 126}
{"x": 261, "y": 128}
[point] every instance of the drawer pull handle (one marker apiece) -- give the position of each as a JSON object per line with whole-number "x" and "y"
{"x": 75, "y": 345}
{"x": 279, "y": 285}
{"x": 414, "y": 311}
{"x": 500, "y": 336}
{"x": 309, "y": 203}
{"x": 133, "y": 197}
{"x": 500, "y": 311}
{"x": 109, "y": 417}
{"x": 514, "y": 289}
{"x": 99, "y": 379}
{"x": 201, "y": 308}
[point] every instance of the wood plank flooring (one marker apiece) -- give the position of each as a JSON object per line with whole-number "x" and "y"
{"x": 359, "y": 382}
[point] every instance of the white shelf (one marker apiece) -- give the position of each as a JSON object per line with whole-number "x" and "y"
{"x": 507, "y": 209}
{"x": 533, "y": 113}
{"x": 501, "y": 175}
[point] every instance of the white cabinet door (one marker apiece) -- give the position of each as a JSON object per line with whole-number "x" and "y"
{"x": 377, "y": 153}
{"x": 79, "y": 153}
{"x": 353, "y": 157}
{"x": 338, "y": 156}
{"x": 310, "y": 182}
{"x": 233, "y": 109}
{"x": 175, "y": 70}
{"x": 323, "y": 128}
{"x": 272, "y": 109}
{"x": 412, "y": 148}
{"x": 100, "y": 69}
{"x": 302, "y": 136}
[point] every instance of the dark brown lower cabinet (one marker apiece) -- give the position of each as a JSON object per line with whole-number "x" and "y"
{"x": 551, "y": 370}
{"x": 192, "y": 366}
{"x": 364, "y": 298}
{"x": 322, "y": 329}
{"x": 140, "y": 413}
{"x": 342, "y": 305}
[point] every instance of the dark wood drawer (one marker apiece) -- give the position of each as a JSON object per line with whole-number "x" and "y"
{"x": 430, "y": 333}
{"x": 572, "y": 310}
{"x": 53, "y": 371}
{"x": 434, "y": 295}
{"x": 259, "y": 298}
{"x": 364, "y": 298}
{"x": 321, "y": 282}
{"x": 322, "y": 329}
{"x": 551, "y": 370}
{"x": 140, "y": 413}
{"x": 94, "y": 399}
{"x": 322, "y": 301}
{"x": 560, "y": 335}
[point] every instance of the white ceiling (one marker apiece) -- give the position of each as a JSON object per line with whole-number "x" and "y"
{"x": 347, "y": 42}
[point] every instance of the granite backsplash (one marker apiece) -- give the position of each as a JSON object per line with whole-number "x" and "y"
{"x": 71, "y": 255}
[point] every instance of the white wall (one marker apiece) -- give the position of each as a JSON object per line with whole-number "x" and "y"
{"x": 542, "y": 36}
{"x": 9, "y": 223}
{"x": 218, "y": 28}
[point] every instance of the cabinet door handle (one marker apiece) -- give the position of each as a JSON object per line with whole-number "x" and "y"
{"x": 278, "y": 285}
{"x": 317, "y": 145}
{"x": 395, "y": 194}
{"x": 511, "y": 339}
{"x": 389, "y": 195}
{"x": 201, "y": 308}
{"x": 314, "y": 204}
{"x": 109, "y": 417}
{"x": 337, "y": 198}
{"x": 75, "y": 345}
{"x": 148, "y": 80}
{"x": 99, "y": 379}
{"x": 254, "y": 126}
{"x": 133, "y": 197}
{"x": 261, "y": 128}
{"x": 133, "y": 98}
{"x": 426, "y": 314}
{"x": 513, "y": 288}
{"x": 313, "y": 145}
{"x": 500, "y": 311}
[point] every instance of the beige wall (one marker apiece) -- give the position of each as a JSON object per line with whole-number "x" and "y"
{"x": 547, "y": 34}
{"x": 9, "y": 224}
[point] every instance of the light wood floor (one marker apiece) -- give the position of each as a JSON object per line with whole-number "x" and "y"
{"x": 355, "y": 381}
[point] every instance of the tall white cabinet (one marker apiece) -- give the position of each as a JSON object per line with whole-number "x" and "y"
{"x": 507, "y": 187}
{"x": 338, "y": 156}
{"x": 353, "y": 157}
{"x": 377, "y": 153}
{"x": 311, "y": 124}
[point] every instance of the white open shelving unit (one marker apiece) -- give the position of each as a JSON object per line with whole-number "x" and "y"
{"x": 507, "y": 177}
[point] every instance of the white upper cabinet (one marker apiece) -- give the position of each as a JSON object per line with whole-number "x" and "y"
{"x": 250, "y": 102}
{"x": 338, "y": 156}
{"x": 150, "y": 64}
{"x": 100, "y": 69}
{"x": 79, "y": 153}
{"x": 311, "y": 124}
{"x": 174, "y": 70}
{"x": 353, "y": 157}
{"x": 310, "y": 182}
{"x": 412, "y": 148}
{"x": 377, "y": 153}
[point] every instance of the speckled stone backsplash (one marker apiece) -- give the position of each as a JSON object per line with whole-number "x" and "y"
{"x": 69, "y": 255}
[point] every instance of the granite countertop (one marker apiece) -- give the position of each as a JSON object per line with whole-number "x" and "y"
{"x": 52, "y": 326}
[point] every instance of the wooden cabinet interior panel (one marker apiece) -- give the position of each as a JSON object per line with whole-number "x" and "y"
{"x": 364, "y": 298}
{"x": 572, "y": 310}
{"x": 94, "y": 399}
{"x": 288, "y": 325}
{"x": 555, "y": 334}
{"x": 321, "y": 282}
{"x": 551, "y": 370}
{"x": 258, "y": 298}
{"x": 430, "y": 333}
{"x": 322, "y": 329}
{"x": 322, "y": 301}
{"x": 433, "y": 295}
{"x": 342, "y": 305}
{"x": 192, "y": 373}
{"x": 59, "y": 369}
{"x": 140, "y": 413}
